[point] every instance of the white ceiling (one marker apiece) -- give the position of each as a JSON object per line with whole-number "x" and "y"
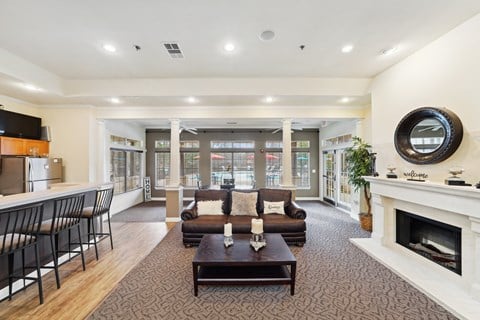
{"x": 62, "y": 40}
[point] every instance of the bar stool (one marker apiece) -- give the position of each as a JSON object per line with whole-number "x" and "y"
{"x": 103, "y": 201}
{"x": 19, "y": 230}
{"x": 66, "y": 216}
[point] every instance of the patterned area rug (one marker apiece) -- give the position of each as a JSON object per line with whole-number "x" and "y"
{"x": 335, "y": 280}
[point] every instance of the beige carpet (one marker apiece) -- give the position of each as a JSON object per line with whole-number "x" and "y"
{"x": 335, "y": 280}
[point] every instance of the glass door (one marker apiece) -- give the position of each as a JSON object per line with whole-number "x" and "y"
{"x": 329, "y": 187}
{"x": 336, "y": 189}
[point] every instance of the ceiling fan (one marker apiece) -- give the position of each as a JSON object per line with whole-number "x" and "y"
{"x": 188, "y": 129}
{"x": 295, "y": 127}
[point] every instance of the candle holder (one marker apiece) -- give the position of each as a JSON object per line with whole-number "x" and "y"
{"x": 227, "y": 235}
{"x": 228, "y": 241}
{"x": 257, "y": 241}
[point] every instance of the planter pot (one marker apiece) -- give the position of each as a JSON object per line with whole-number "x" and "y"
{"x": 365, "y": 221}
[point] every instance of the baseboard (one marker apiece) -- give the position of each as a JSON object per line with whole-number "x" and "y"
{"x": 307, "y": 199}
{"x": 172, "y": 219}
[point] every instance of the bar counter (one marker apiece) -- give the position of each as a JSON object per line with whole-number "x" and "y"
{"x": 56, "y": 190}
{"x": 47, "y": 197}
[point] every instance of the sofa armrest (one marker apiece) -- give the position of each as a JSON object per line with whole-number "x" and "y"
{"x": 295, "y": 211}
{"x": 190, "y": 212}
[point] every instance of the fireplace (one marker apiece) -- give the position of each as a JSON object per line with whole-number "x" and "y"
{"x": 434, "y": 240}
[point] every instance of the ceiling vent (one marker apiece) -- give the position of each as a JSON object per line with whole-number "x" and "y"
{"x": 173, "y": 50}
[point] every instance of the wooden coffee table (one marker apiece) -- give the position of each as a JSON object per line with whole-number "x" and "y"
{"x": 240, "y": 264}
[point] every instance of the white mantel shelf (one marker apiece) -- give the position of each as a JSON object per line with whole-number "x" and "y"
{"x": 430, "y": 193}
{"x": 455, "y": 205}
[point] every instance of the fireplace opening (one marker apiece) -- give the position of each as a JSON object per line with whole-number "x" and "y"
{"x": 434, "y": 240}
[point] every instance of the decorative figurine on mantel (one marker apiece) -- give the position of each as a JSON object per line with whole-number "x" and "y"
{"x": 391, "y": 174}
{"x": 454, "y": 180}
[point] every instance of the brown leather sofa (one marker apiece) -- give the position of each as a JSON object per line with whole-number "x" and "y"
{"x": 290, "y": 225}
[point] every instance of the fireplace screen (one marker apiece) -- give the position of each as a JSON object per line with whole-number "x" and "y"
{"x": 432, "y": 239}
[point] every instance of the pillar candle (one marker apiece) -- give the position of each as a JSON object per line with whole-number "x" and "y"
{"x": 257, "y": 226}
{"x": 227, "y": 230}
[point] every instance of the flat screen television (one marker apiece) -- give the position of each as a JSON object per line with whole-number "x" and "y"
{"x": 19, "y": 125}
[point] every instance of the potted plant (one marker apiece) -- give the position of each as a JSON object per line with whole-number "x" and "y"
{"x": 359, "y": 162}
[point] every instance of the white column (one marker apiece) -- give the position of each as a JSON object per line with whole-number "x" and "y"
{"x": 173, "y": 190}
{"x": 287, "y": 154}
{"x": 475, "y": 289}
{"x": 174, "y": 153}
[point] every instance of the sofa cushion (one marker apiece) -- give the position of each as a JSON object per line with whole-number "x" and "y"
{"x": 205, "y": 224}
{"x": 206, "y": 195}
{"x": 280, "y": 223}
{"x": 244, "y": 203}
{"x": 273, "y": 207}
{"x": 209, "y": 207}
{"x": 273, "y": 195}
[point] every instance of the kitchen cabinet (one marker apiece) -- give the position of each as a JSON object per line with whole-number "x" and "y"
{"x": 23, "y": 147}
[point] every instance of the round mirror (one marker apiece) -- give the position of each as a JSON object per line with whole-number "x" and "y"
{"x": 428, "y": 135}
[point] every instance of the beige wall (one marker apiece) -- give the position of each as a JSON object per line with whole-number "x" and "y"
{"x": 443, "y": 74}
{"x": 71, "y": 129}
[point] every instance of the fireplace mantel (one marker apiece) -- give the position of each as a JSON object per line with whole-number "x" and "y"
{"x": 429, "y": 194}
{"x": 455, "y": 205}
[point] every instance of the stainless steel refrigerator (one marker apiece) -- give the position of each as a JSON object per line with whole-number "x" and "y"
{"x": 26, "y": 174}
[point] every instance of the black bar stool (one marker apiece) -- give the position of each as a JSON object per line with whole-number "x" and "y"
{"x": 103, "y": 201}
{"x": 19, "y": 227}
{"x": 66, "y": 216}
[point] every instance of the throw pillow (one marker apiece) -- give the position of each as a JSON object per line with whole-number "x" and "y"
{"x": 244, "y": 203}
{"x": 211, "y": 207}
{"x": 273, "y": 207}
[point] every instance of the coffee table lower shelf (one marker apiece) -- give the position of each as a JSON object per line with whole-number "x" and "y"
{"x": 243, "y": 275}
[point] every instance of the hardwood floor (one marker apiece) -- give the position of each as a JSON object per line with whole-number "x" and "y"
{"x": 82, "y": 291}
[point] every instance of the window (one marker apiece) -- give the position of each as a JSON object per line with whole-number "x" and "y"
{"x": 190, "y": 168}
{"x": 239, "y": 166}
{"x": 335, "y": 141}
{"x": 277, "y": 144}
{"x": 125, "y": 164}
{"x": 301, "y": 169}
{"x": 162, "y": 169}
{"x": 273, "y": 170}
{"x": 162, "y": 144}
{"x": 125, "y": 169}
{"x": 237, "y": 144}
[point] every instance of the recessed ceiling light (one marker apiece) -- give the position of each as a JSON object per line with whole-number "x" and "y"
{"x": 345, "y": 100}
{"x": 192, "y": 99}
{"x": 109, "y": 48}
{"x": 269, "y": 99}
{"x": 347, "y": 48}
{"x": 229, "y": 47}
{"x": 114, "y": 100}
{"x": 31, "y": 87}
{"x": 388, "y": 51}
{"x": 267, "y": 35}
